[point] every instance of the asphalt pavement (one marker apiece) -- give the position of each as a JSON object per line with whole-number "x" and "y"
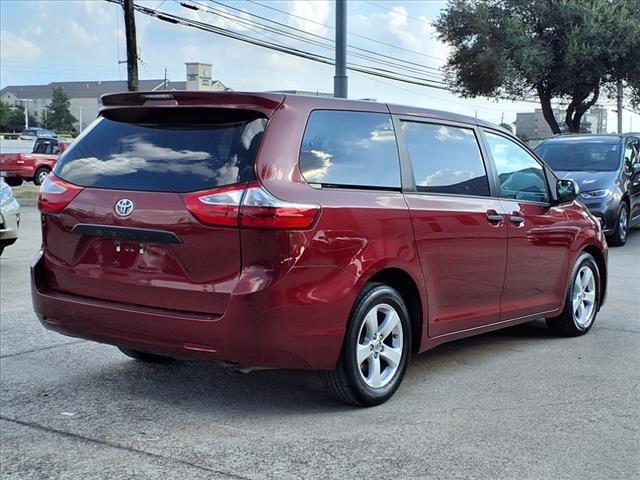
{"x": 515, "y": 404}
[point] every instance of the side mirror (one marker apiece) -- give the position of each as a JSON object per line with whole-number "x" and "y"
{"x": 567, "y": 191}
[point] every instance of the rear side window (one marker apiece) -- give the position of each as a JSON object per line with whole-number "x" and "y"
{"x": 445, "y": 159}
{"x": 166, "y": 152}
{"x": 358, "y": 149}
{"x": 43, "y": 147}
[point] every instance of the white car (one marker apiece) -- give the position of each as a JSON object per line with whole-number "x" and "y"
{"x": 9, "y": 216}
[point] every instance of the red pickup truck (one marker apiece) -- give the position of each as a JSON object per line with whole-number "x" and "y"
{"x": 35, "y": 166}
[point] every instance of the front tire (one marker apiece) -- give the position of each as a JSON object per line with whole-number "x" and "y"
{"x": 582, "y": 301}
{"x": 376, "y": 349}
{"x": 144, "y": 356}
{"x": 619, "y": 237}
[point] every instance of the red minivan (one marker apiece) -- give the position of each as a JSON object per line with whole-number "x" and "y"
{"x": 284, "y": 231}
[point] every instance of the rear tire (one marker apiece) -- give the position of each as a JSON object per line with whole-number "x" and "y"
{"x": 376, "y": 349}
{"x": 582, "y": 301}
{"x": 144, "y": 356}
{"x": 40, "y": 175}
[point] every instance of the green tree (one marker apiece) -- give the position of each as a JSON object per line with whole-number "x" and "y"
{"x": 5, "y": 113}
{"x": 12, "y": 118}
{"x": 507, "y": 126}
{"x": 59, "y": 116}
{"x": 566, "y": 50}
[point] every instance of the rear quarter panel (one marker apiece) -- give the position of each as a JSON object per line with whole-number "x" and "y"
{"x": 360, "y": 232}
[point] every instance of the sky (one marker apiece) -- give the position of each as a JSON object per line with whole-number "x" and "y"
{"x": 59, "y": 40}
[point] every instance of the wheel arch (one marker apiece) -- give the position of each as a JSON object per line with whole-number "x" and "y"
{"x": 404, "y": 283}
{"x": 595, "y": 252}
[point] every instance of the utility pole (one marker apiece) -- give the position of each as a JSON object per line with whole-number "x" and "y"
{"x": 619, "y": 104}
{"x": 340, "y": 81}
{"x": 132, "y": 47}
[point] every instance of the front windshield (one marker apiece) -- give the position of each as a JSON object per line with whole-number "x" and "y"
{"x": 581, "y": 157}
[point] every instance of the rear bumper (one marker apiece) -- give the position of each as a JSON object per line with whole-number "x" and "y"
{"x": 291, "y": 324}
{"x": 17, "y": 172}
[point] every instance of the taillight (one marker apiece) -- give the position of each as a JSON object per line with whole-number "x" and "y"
{"x": 249, "y": 206}
{"x": 262, "y": 210}
{"x": 219, "y": 207}
{"x": 55, "y": 194}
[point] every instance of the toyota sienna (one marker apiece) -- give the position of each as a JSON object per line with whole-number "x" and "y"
{"x": 284, "y": 231}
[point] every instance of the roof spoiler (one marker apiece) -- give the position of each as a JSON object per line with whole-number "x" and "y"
{"x": 264, "y": 103}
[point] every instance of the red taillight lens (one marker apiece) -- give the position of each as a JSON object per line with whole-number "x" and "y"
{"x": 55, "y": 194}
{"x": 249, "y": 206}
{"x": 262, "y": 210}
{"x": 219, "y": 207}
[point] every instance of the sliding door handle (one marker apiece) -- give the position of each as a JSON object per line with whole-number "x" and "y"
{"x": 494, "y": 217}
{"x": 516, "y": 219}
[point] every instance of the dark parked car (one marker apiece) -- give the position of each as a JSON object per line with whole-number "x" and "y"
{"x": 34, "y": 133}
{"x": 304, "y": 232}
{"x": 607, "y": 171}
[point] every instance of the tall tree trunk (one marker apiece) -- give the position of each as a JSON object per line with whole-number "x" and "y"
{"x": 547, "y": 110}
{"x": 577, "y": 108}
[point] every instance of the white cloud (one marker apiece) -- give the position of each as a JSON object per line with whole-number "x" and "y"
{"x": 446, "y": 177}
{"x": 316, "y": 10}
{"x": 398, "y": 27}
{"x": 77, "y": 34}
{"x": 18, "y": 49}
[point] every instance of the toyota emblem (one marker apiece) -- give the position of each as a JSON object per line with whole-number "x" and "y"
{"x": 124, "y": 207}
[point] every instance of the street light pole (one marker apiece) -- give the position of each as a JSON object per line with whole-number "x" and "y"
{"x": 26, "y": 110}
{"x": 619, "y": 105}
{"x": 340, "y": 81}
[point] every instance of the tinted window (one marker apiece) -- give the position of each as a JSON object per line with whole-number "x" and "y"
{"x": 445, "y": 159}
{"x": 581, "y": 156}
{"x": 43, "y": 147}
{"x": 163, "y": 156}
{"x": 520, "y": 175}
{"x": 350, "y": 149}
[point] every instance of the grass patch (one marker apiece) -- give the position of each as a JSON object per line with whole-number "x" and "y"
{"x": 26, "y": 191}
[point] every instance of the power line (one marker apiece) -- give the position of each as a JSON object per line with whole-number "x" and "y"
{"x": 323, "y": 42}
{"x": 373, "y": 71}
{"x": 176, "y": 19}
{"x": 330, "y": 40}
{"x": 353, "y": 34}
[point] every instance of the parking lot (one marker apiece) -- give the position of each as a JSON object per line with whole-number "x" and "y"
{"x": 515, "y": 404}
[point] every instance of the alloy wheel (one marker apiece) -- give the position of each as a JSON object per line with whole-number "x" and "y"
{"x": 380, "y": 344}
{"x": 623, "y": 224}
{"x": 42, "y": 176}
{"x": 584, "y": 296}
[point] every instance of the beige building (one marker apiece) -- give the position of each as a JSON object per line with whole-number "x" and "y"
{"x": 84, "y": 97}
{"x": 532, "y": 125}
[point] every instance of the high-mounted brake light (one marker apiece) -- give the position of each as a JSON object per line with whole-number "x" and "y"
{"x": 55, "y": 194}
{"x": 249, "y": 206}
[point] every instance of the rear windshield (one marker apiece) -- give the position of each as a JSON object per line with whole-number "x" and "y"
{"x": 164, "y": 151}
{"x": 591, "y": 156}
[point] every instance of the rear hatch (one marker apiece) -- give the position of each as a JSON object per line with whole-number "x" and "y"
{"x": 121, "y": 229}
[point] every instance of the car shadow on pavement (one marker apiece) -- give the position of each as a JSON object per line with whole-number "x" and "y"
{"x": 201, "y": 386}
